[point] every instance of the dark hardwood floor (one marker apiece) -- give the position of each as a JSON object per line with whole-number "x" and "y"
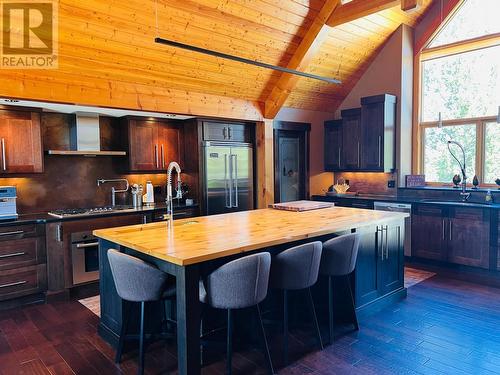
{"x": 443, "y": 327}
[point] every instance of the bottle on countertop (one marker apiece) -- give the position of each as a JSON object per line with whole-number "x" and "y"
{"x": 149, "y": 197}
{"x": 488, "y": 198}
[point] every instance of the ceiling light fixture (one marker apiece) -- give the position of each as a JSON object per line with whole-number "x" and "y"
{"x": 243, "y": 60}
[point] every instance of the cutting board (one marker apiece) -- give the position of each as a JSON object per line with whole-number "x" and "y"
{"x": 300, "y": 206}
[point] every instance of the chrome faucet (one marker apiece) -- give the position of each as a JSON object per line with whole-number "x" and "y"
{"x": 465, "y": 196}
{"x": 170, "y": 209}
{"x": 113, "y": 189}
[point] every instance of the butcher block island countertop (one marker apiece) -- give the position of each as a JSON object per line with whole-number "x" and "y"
{"x": 205, "y": 238}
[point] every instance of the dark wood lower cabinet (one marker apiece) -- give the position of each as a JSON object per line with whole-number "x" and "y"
{"x": 469, "y": 237}
{"x": 380, "y": 268}
{"x": 428, "y": 232}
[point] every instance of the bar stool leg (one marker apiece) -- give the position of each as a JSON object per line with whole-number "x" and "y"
{"x": 330, "y": 308}
{"x": 141, "y": 342}
{"x": 229, "y": 342}
{"x": 123, "y": 330}
{"x": 264, "y": 340}
{"x": 315, "y": 319}
{"x": 354, "y": 317}
{"x": 285, "y": 327}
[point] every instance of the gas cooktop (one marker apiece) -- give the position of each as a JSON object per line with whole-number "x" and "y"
{"x": 72, "y": 212}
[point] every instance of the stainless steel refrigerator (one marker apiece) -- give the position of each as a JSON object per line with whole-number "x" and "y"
{"x": 228, "y": 177}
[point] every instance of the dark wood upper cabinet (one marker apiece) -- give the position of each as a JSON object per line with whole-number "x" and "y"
{"x": 351, "y": 139}
{"x": 365, "y": 138}
{"x": 20, "y": 142}
{"x": 224, "y": 131}
{"x": 469, "y": 237}
{"x": 153, "y": 144}
{"x": 378, "y": 124}
{"x": 333, "y": 144}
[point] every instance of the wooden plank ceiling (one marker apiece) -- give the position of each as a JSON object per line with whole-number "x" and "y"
{"x": 108, "y": 56}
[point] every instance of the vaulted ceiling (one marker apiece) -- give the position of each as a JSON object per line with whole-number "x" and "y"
{"x": 107, "y": 51}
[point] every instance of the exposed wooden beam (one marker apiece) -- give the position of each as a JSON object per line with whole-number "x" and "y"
{"x": 311, "y": 42}
{"x": 407, "y": 5}
{"x": 357, "y": 9}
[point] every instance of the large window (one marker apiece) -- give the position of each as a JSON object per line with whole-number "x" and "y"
{"x": 460, "y": 84}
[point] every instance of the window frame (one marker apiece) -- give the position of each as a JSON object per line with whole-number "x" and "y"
{"x": 480, "y": 123}
{"x": 426, "y": 54}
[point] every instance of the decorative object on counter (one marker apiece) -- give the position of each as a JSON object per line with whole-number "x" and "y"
{"x": 8, "y": 205}
{"x": 488, "y": 198}
{"x": 341, "y": 186}
{"x": 137, "y": 190}
{"x": 149, "y": 197}
{"x": 414, "y": 180}
{"x": 497, "y": 181}
{"x": 475, "y": 182}
{"x": 456, "y": 180}
{"x": 300, "y": 206}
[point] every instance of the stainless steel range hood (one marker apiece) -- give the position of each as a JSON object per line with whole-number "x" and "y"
{"x": 85, "y": 138}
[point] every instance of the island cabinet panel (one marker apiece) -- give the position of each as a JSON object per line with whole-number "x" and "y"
{"x": 379, "y": 268}
{"x": 469, "y": 237}
{"x": 351, "y": 139}
{"x": 333, "y": 145}
{"x": 20, "y": 142}
{"x": 153, "y": 144}
{"x": 428, "y": 227}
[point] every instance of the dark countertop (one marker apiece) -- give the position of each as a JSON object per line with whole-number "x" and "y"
{"x": 44, "y": 217}
{"x": 406, "y": 199}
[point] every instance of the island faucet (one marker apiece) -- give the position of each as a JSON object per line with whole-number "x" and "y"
{"x": 170, "y": 209}
{"x": 113, "y": 189}
{"x": 465, "y": 196}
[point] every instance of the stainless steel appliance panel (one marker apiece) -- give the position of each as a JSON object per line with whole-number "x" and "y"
{"x": 228, "y": 177}
{"x": 85, "y": 257}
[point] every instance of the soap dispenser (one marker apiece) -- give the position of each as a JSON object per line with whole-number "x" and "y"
{"x": 488, "y": 198}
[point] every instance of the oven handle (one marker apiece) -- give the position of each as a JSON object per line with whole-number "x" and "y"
{"x": 84, "y": 245}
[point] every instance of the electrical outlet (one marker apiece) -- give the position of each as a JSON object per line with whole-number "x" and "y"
{"x": 391, "y": 184}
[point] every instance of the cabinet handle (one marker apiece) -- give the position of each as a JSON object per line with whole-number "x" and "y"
{"x": 339, "y": 157}
{"x": 229, "y": 132}
{"x": 4, "y": 163}
{"x": 145, "y": 219}
{"x": 13, "y": 233}
{"x": 224, "y": 132}
{"x": 381, "y": 242}
{"x": 13, "y": 284}
{"x": 451, "y": 230}
{"x": 444, "y": 229}
{"x": 359, "y": 152}
{"x": 379, "y": 151}
{"x": 386, "y": 242}
{"x": 85, "y": 245}
{"x": 156, "y": 155}
{"x": 162, "y": 157}
{"x": 11, "y": 255}
{"x": 59, "y": 234}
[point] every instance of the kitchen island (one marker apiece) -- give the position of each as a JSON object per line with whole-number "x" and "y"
{"x": 192, "y": 243}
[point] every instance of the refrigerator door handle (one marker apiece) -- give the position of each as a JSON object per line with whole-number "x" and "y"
{"x": 230, "y": 181}
{"x": 226, "y": 195}
{"x": 235, "y": 165}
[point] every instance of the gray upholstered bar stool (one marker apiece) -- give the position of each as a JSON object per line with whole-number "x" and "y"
{"x": 296, "y": 269}
{"x": 339, "y": 260}
{"x": 140, "y": 282}
{"x": 239, "y": 284}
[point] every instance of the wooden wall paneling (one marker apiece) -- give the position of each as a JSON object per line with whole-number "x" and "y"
{"x": 265, "y": 163}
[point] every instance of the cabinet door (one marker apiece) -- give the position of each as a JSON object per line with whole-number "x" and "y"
{"x": 351, "y": 143}
{"x": 372, "y": 125}
{"x": 367, "y": 280}
{"x": 170, "y": 144}
{"x": 428, "y": 232}
{"x": 469, "y": 237}
{"x": 20, "y": 143}
{"x": 333, "y": 145}
{"x": 391, "y": 268}
{"x": 143, "y": 146}
{"x": 238, "y": 133}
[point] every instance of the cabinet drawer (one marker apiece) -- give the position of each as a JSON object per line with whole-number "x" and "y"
{"x": 23, "y": 281}
{"x": 429, "y": 210}
{"x": 20, "y": 231}
{"x": 22, "y": 252}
